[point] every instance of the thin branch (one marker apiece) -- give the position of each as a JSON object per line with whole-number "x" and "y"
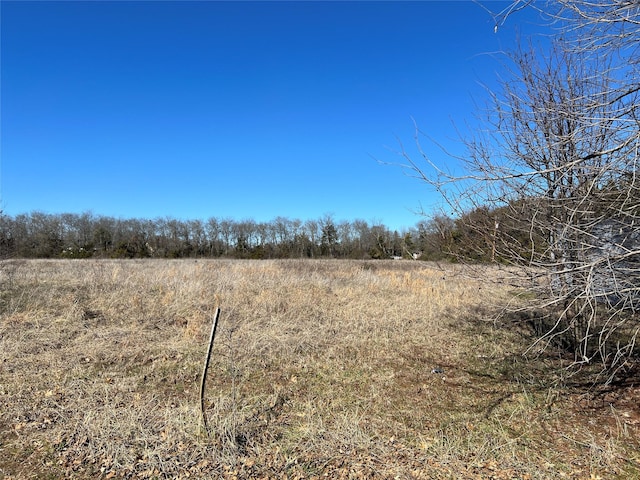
{"x": 206, "y": 367}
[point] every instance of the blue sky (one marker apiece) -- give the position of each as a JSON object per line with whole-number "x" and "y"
{"x": 242, "y": 110}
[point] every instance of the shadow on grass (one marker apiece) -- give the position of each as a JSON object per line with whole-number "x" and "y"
{"x": 552, "y": 368}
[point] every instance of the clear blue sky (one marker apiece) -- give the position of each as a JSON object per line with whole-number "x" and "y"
{"x": 234, "y": 109}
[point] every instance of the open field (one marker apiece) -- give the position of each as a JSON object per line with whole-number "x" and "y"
{"x": 320, "y": 369}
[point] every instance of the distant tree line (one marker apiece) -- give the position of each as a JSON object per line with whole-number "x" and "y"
{"x": 71, "y": 235}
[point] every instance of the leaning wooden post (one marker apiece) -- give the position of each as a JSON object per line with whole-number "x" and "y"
{"x": 206, "y": 367}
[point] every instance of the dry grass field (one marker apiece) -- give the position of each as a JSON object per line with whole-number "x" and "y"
{"x": 320, "y": 369}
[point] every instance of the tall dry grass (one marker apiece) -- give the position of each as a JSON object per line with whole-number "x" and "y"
{"x": 320, "y": 368}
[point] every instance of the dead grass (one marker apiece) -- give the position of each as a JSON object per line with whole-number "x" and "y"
{"x": 320, "y": 369}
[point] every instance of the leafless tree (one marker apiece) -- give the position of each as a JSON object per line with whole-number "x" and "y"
{"x": 555, "y": 167}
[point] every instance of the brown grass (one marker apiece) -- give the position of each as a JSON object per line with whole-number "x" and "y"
{"x": 320, "y": 369}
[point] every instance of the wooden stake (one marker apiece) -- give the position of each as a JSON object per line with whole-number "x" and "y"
{"x": 206, "y": 367}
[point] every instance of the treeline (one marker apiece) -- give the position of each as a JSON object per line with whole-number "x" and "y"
{"x": 69, "y": 235}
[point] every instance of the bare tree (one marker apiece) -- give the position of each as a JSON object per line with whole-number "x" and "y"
{"x": 554, "y": 170}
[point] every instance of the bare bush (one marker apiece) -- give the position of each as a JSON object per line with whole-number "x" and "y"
{"x": 550, "y": 179}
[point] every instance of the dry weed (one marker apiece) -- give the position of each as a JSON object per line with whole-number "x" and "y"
{"x": 320, "y": 368}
